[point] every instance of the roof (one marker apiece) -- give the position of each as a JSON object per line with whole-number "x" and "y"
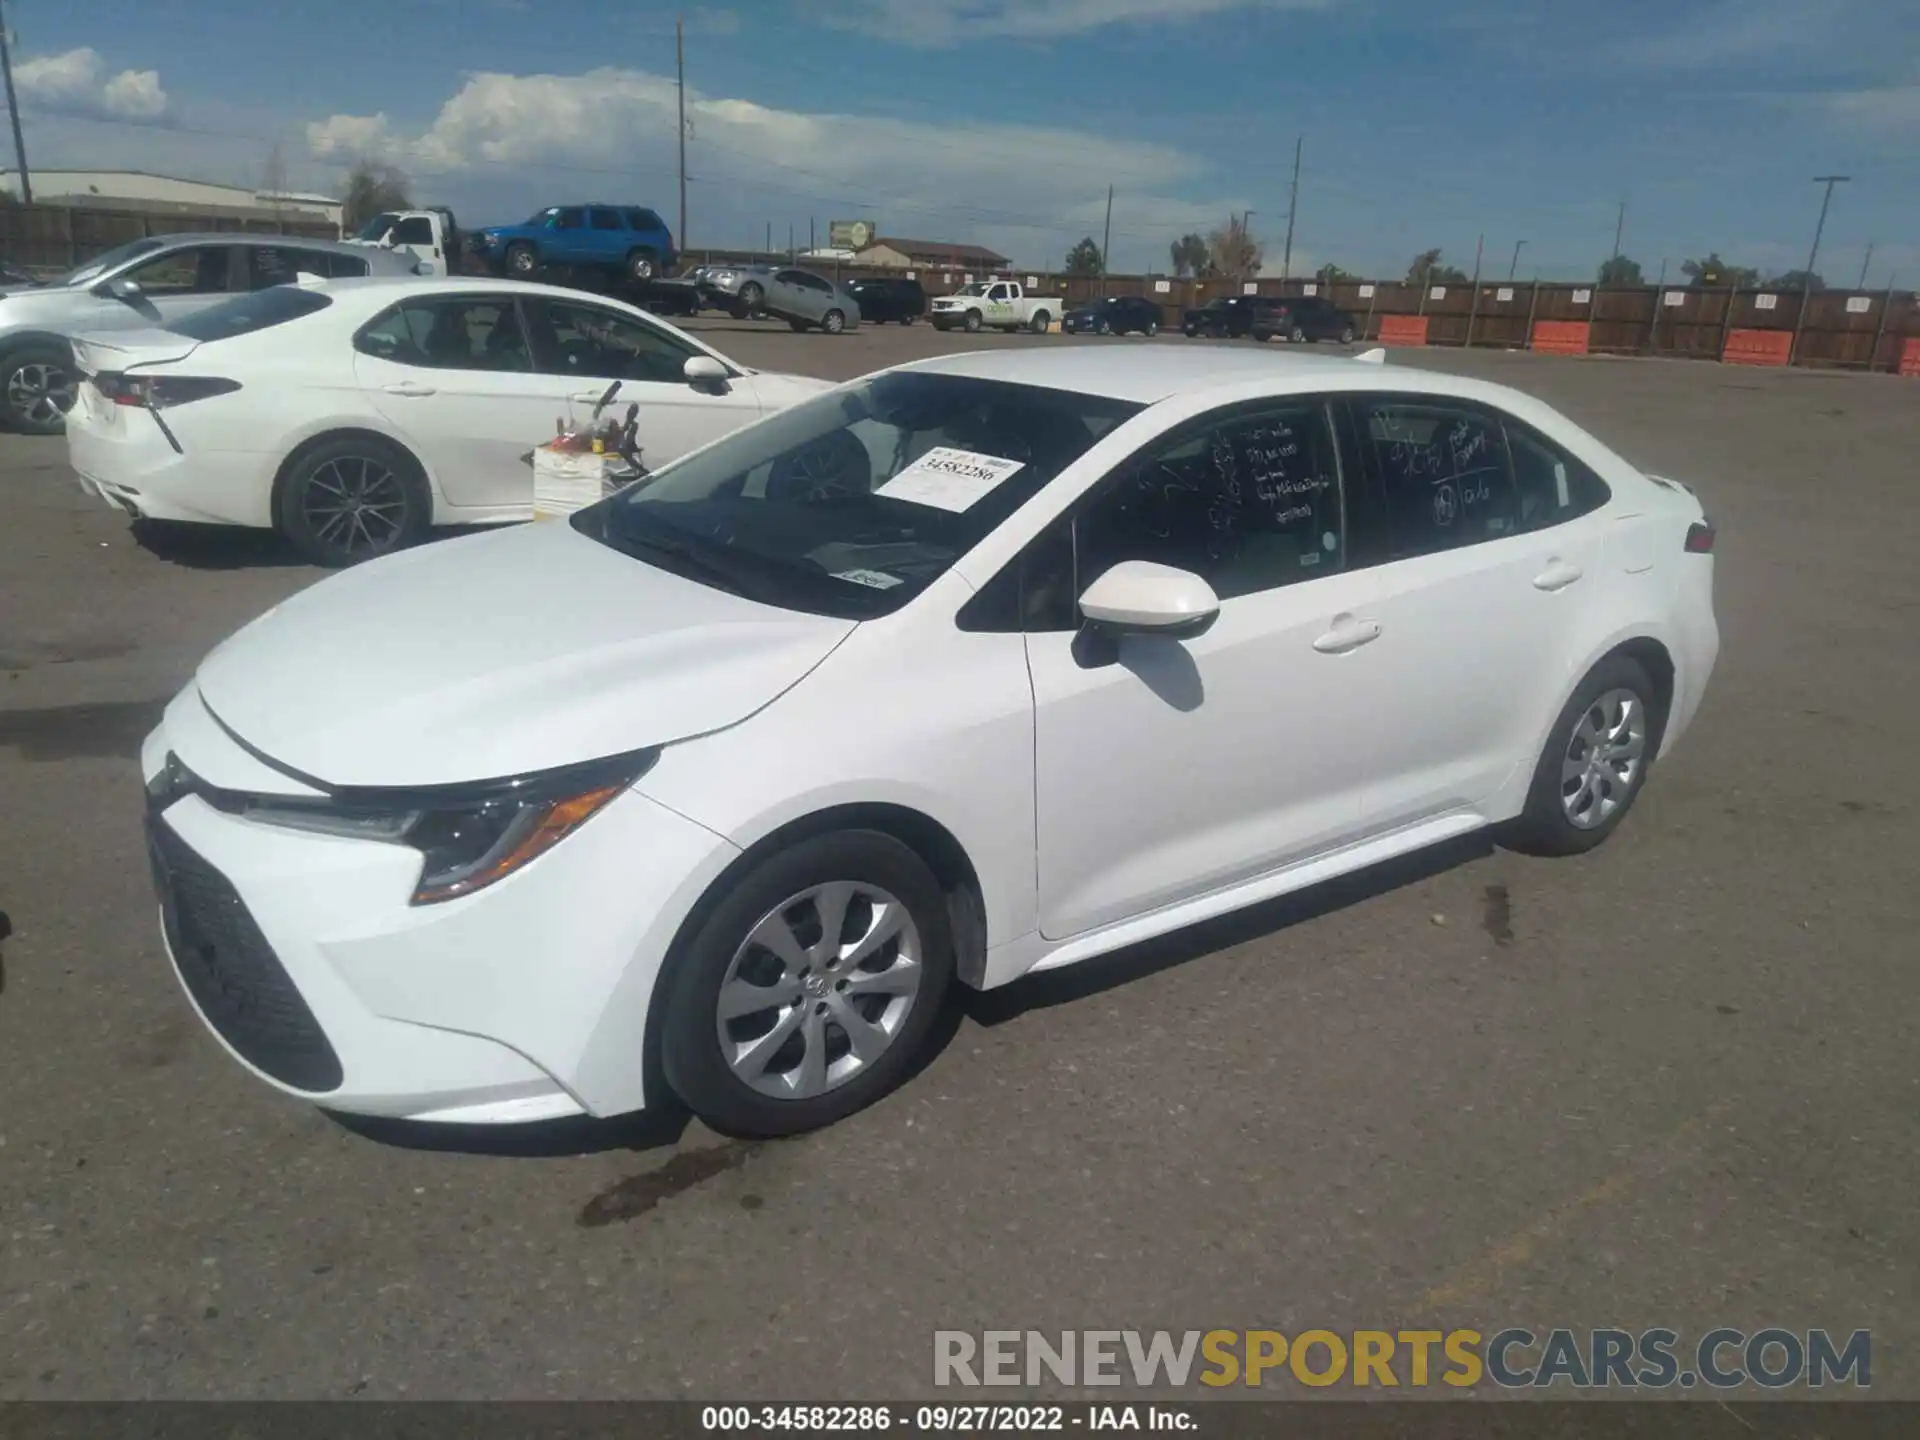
{"x": 938, "y": 247}
{"x": 1146, "y": 374}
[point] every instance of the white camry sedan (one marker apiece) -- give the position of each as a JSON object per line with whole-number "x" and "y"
{"x": 974, "y": 667}
{"x": 355, "y": 414}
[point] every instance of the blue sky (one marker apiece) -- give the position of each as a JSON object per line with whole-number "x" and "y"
{"x": 1004, "y": 121}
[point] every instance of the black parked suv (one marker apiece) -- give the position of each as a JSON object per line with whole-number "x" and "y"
{"x": 1304, "y": 317}
{"x": 884, "y": 298}
{"x": 1226, "y": 317}
{"x": 1115, "y": 315}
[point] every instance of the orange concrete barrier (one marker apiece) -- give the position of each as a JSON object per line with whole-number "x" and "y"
{"x": 1403, "y": 329}
{"x": 1758, "y": 347}
{"x": 1910, "y": 357}
{"x": 1562, "y": 337}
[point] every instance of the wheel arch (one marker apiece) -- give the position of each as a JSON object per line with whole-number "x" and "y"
{"x": 1647, "y": 648}
{"x": 932, "y": 841}
{"x": 333, "y": 431}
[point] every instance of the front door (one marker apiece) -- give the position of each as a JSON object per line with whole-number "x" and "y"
{"x": 582, "y": 347}
{"x": 454, "y": 375}
{"x": 172, "y": 285}
{"x": 1170, "y": 768}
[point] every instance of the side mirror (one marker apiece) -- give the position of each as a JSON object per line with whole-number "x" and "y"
{"x": 124, "y": 289}
{"x": 1139, "y": 597}
{"x": 704, "y": 370}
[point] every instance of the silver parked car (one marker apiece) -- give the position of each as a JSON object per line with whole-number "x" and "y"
{"x": 799, "y": 297}
{"x": 142, "y": 285}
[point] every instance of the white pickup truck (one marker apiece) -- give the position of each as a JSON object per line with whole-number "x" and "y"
{"x": 430, "y": 236}
{"x": 997, "y": 305}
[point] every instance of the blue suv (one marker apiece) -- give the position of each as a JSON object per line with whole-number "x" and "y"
{"x": 627, "y": 238}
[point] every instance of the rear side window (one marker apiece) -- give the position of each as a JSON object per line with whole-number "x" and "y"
{"x": 245, "y": 314}
{"x": 468, "y": 332}
{"x": 608, "y": 220}
{"x": 645, "y": 220}
{"x": 1553, "y": 486}
{"x": 1442, "y": 471}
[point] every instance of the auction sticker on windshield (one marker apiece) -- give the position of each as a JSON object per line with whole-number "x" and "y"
{"x": 950, "y": 479}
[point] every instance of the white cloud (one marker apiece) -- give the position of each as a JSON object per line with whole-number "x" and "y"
{"x": 1028, "y": 190}
{"x": 950, "y": 22}
{"x": 72, "y": 83}
{"x": 1888, "y": 109}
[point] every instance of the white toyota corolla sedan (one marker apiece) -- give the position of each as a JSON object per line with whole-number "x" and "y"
{"x": 989, "y": 664}
{"x": 355, "y": 414}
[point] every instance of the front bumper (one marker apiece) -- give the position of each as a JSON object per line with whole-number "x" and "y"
{"x": 523, "y": 1001}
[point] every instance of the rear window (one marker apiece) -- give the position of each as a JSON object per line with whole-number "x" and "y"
{"x": 245, "y": 314}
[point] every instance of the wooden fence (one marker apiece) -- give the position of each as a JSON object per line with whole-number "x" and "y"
{"x": 51, "y": 238}
{"x": 1852, "y": 329}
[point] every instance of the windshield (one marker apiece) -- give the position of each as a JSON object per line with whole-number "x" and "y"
{"x": 245, "y": 314}
{"x": 853, "y": 503}
{"x": 377, "y": 226}
{"x": 102, "y": 263}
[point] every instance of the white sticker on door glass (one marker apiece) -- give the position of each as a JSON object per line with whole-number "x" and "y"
{"x": 950, "y": 479}
{"x": 872, "y": 579}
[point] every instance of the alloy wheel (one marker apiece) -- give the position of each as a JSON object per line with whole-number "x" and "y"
{"x": 1603, "y": 760}
{"x": 819, "y": 990}
{"x": 40, "y": 394}
{"x": 355, "y": 505}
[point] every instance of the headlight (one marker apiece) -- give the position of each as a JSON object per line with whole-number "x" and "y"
{"x": 468, "y": 836}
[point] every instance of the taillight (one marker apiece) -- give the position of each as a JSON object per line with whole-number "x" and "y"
{"x": 161, "y": 392}
{"x": 1700, "y": 538}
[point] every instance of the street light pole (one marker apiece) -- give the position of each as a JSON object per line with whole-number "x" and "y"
{"x": 13, "y": 111}
{"x": 1518, "y": 245}
{"x": 1806, "y": 278}
{"x": 1293, "y": 205}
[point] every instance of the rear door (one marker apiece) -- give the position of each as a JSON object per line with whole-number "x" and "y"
{"x": 789, "y": 294}
{"x": 607, "y": 235}
{"x": 581, "y": 348}
{"x": 1475, "y": 601}
{"x": 454, "y": 375}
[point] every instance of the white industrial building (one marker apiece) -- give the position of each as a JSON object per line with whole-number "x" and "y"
{"x": 164, "y": 194}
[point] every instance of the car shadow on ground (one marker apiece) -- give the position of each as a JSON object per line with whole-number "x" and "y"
{"x": 664, "y": 1125}
{"x": 234, "y": 547}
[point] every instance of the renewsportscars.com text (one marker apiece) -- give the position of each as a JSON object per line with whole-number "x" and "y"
{"x": 1513, "y": 1358}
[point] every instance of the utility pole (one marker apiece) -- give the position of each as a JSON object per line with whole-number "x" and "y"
{"x": 1518, "y": 245}
{"x": 1106, "y": 239}
{"x": 1864, "y": 264}
{"x": 680, "y": 73}
{"x": 1619, "y": 229}
{"x": 1806, "y": 280}
{"x": 1293, "y": 204}
{"x": 13, "y": 109}
{"x": 813, "y": 242}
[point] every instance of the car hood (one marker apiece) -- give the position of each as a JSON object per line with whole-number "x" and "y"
{"x": 503, "y": 654}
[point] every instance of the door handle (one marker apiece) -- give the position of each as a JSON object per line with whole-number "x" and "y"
{"x": 1347, "y": 634}
{"x": 1557, "y": 576}
{"x": 409, "y": 387}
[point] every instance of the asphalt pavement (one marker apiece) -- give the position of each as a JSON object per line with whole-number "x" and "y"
{"x": 1671, "y": 1083}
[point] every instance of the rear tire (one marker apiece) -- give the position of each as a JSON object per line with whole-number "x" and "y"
{"x": 1297, "y": 336}
{"x": 1038, "y": 324}
{"x": 641, "y": 265}
{"x": 1153, "y": 328}
{"x": 37, "y": 388}
{"x": 1594, "y": 764}
{"x": 352, "y": 498}
{"x": 798, "y": 326}
{"x": 790, "y": 897}
{"x": 1346, "y": 335}
{"x": 833, "y": 322}
{"x": 906, "y": 319}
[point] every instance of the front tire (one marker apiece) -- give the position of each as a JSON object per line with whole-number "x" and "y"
{"x": 37, "y": 388}
{"x": 810, "y": 989}
{"x": 752, "y": 297}
{"x": 1594, "y": 764}
{"x": 973, "y": 322}
{"x": 522, "y": 259}
{"x": 1346, "y": 335}
{"x": 352, "y": 498}
{"x": 1297, "y": 336}
{"x": 1153, "y": 328}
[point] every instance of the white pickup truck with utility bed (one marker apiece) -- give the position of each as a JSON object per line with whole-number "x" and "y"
{"x": 995, "y": 305}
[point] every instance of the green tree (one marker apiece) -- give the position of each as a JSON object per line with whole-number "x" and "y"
{"x": 372, "y": 188}
{"x": 1713, "y": 273}
{"x": 1085, "y": 259}
{"x": 1427, "y": 270}
{"x": 1331, "y": 274}
{"x": 1232, "y": 251}
{"x": 1621, "y": 271}
{"x": 1189, "y": 254}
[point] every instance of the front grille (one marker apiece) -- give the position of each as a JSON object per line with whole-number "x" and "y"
{"x": 231, "y": 970}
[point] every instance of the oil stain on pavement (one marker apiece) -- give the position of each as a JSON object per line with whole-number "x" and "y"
{"x": 636, "y": 1195}
{"x": 1496, "y": 916}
